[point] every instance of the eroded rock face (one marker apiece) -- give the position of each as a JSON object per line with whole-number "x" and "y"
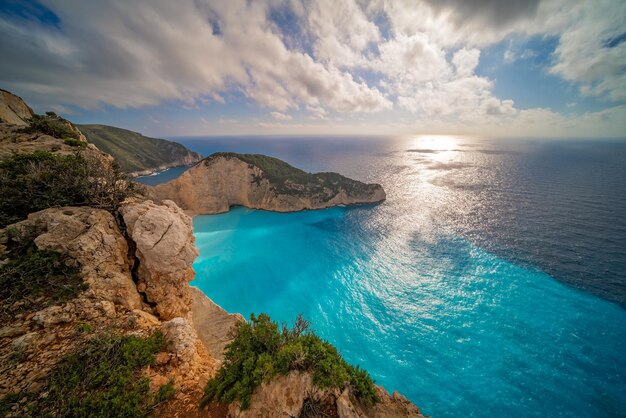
{"x": 217, "y": 183}
{"x": 165, "y": 250}
{"x": 295, "y": 395}
{"x": 91, "y": 237}
{"x": 13, "y": 110}
{"x": 212, "y": 323}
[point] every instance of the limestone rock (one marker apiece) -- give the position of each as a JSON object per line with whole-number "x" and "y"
{"x": 10, "y": 331}
{"x": 91, "y": 237}
{"x": 282, "y": 397}
{"x": 165, "y": 249}
{"x": 288, "y": 396}
{"x": 181, "y": 341}
{"x": 24, "y": 342}
{"x": 213, "y": 324}
{"x": 13, "y": 110}
{"x": 52, "y": 315}
{"x": 224, "y": 180}
{"x": 144, "y": 320}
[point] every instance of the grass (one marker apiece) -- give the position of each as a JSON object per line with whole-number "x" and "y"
{"x": 102, "y": 379}
{"x": 289, "y": 180}
{"x": 261, "y": 351}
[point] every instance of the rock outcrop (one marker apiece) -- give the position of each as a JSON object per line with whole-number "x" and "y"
{"x": 13, "y": 141}
{"x": 213, "y": 324}
{"x": 13, "y": 110}
{"x": 295, "y": 395}
{"x": 92, "y": 238}
{"x": 259, "y": 182}
{"x": 165, "y": 250}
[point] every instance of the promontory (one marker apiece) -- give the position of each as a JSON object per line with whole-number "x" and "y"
{"x": 257, "y": 181}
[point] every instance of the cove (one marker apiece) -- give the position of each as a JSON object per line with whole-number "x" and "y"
{"x": 456, "y": 329}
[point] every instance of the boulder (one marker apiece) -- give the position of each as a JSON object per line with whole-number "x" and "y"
{"x": 165, "y": 251}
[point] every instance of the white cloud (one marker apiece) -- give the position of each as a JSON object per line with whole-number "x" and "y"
{"x": 280, "y": 116}
{"x": 132, "y": 54}
{"x": 421, "y": 63}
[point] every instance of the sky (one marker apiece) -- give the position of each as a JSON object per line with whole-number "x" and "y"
{"x": 494, "y": 68}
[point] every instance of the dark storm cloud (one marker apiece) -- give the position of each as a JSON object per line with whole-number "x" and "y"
{"x": 495, "y": 13}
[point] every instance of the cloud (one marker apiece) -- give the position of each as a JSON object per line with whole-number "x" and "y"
{"x": 280, "y": 116}
{"x": 144, "y": 52}
{"x": 585, "y": 54}
{"x": 417, "y": 58}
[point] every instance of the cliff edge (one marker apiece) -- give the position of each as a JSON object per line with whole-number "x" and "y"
{"x": 97, "y": 317}
{"x": 256, "y": 181}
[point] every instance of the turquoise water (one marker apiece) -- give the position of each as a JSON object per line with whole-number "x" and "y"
{"x": 441, "y": 291}
{"x": 456, "y": 329}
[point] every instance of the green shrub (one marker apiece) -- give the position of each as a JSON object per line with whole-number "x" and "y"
{"x": 51, "y": 124}
{"x": 103, "y": 380}
{"x": 39, "y": 180}
{"x": 35, "y": 279}
{"x": 75, "y": 142}
{"x": 261, "y": 351}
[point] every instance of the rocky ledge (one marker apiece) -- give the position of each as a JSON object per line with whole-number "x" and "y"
{"x": 256, "y": 181}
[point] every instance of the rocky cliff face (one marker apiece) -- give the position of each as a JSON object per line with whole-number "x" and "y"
{"x": 294, "y": 395}
{"x": 224, "y": 180}
{"x": 138, "y": 283}
{"x": 13, "y": 110}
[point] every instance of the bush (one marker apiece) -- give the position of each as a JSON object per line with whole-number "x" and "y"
{"x": 51, "y": 124}
{"x": 36, "y": 279}
{"x": 75, "y": 143}
{"x": 39, "y": 180}
{"x": 103, "y": 380}
{"x": 261, "y": 351}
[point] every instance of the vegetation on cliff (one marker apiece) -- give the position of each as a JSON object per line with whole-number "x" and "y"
{"x": 53, "y": 125}
{"x": 261, "y": 351}
{"x": 290, "y": 180}
{"x": 39, "y": 180}
{"x": 135, "y": 152}
{"x": 102, "y": 379}
{"x": 32, "y": 280}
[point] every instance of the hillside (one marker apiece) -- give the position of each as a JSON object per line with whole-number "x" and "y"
{"x": 13, "y": 110}
{"x": 256, "y": 181}
{"x": 137, "y": 154}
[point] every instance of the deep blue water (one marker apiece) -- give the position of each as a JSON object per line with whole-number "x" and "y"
{"x": 491, "y": 282}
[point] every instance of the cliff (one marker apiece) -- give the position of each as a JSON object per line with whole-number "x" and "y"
{"x": 255, "y": 181}
{"x": 137, "y": 154}
{"x": 13, "y": 110}
{"x": 97, "y": 317}
{"x": 137, "y": 285}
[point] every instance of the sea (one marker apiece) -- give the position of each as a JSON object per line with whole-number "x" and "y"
{"x": 491, "y": 282}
